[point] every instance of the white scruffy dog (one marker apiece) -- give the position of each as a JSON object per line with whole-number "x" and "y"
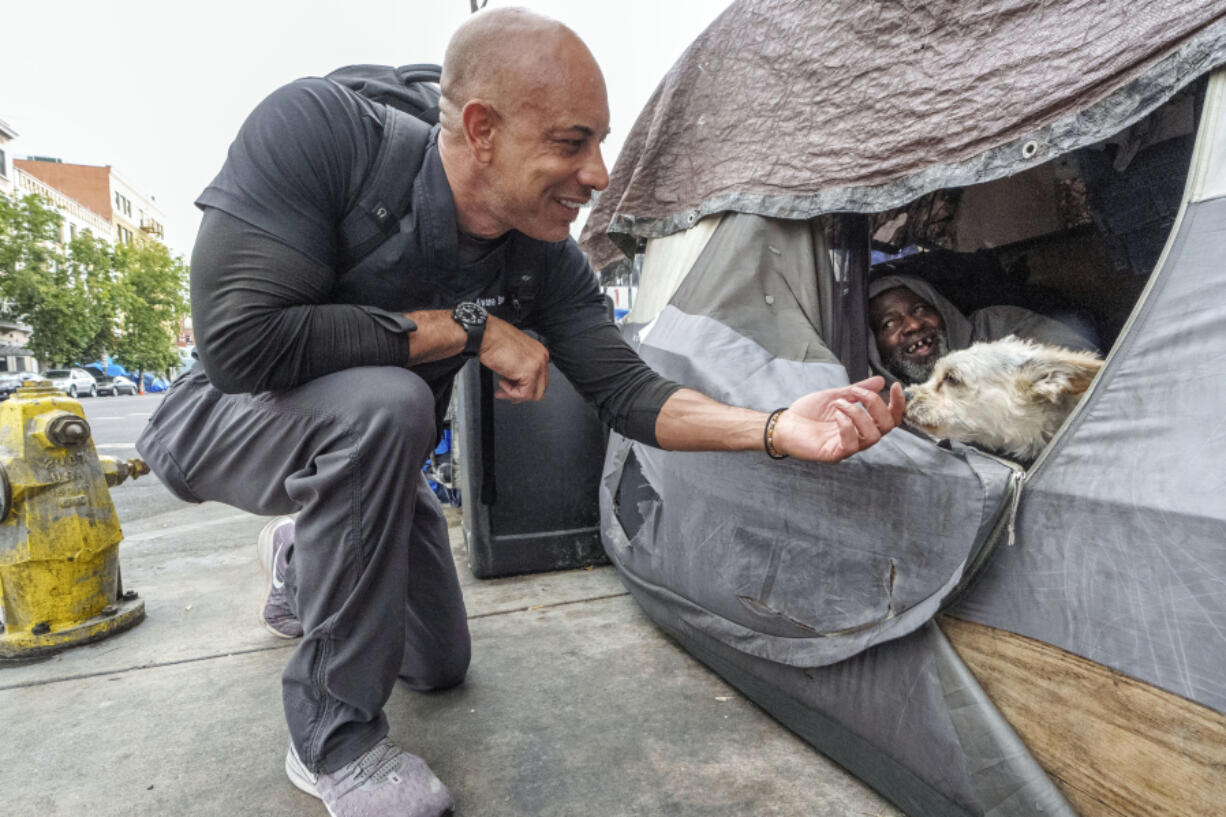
{"x": 1009, "y": 396}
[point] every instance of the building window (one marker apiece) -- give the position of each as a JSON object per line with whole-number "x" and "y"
{"x": 4, "y": 166}
{"x": 124, "y": 234}
{"x": 123, "y": 204}
{"x": 72, "y": 232}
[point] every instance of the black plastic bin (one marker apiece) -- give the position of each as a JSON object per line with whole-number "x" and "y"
{"x": 529, "y": 477}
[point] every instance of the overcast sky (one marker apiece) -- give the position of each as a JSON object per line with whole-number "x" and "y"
{"x": 158, "y": 89}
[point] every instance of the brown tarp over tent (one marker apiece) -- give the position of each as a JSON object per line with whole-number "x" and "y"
{"x": 792, "y": 109}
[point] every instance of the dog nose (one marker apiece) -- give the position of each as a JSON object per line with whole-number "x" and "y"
{"x": 907, "y": 395}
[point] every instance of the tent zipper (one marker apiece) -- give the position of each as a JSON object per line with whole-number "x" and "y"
{"x": 1019, "y": 479}
{"x": 1016, "y": 483}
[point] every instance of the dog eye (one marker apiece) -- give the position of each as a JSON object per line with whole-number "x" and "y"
{"x": 950, "y": 380}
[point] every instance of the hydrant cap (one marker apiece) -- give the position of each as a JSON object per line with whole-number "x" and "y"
{"x": 68, "y": 430}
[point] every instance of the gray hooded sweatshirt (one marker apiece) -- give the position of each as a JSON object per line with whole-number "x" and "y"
{"x": 987, "y": 324}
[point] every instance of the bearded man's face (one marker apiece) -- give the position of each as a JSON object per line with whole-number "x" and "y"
{"x": 910, "y": 333}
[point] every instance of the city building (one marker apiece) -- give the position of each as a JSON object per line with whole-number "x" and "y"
{"x": 128, "y": 214}
{"x": 14, "y": 356}
{"x": 76, "y": 216}
{"x": 7, "y": 134}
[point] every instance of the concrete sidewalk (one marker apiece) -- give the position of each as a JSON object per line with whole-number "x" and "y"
{"x": 575, "y": 704}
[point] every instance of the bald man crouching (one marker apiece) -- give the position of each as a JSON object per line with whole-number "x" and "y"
{"x": 322, "y": 381}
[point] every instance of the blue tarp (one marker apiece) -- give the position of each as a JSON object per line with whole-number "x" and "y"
{"x": 97, "y": 369}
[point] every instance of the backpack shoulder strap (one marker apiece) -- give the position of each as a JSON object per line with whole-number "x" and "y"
{"x": 387, "y": 190}
{"x": 522, "y": 289}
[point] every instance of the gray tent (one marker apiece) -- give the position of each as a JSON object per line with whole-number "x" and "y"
{"x": 969, "y": 635}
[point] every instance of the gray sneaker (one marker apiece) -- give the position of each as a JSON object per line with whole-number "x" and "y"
{"x": 386, "y": 781}
{"x": 276, "y": 613}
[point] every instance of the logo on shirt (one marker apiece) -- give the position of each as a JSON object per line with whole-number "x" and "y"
{"x": 492, "y": 301}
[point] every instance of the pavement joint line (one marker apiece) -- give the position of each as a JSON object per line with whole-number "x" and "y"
{"x": 138, "y": 667}
{"x": 158, "y": 532}
{"x": 532, "y": 607}
{"x": 253, "y": 650}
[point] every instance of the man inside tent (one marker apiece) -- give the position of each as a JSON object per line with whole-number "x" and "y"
{"x": 912, "y": 326}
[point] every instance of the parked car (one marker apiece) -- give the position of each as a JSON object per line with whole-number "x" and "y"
{"x": 74, "y": 382}
{"x": 115, "y": 386}
{"x": 11, "y": 381}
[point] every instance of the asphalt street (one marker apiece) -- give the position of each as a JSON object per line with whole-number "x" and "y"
{"x": 115, "y": 423}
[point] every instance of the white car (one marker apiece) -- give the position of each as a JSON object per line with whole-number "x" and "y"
{"x": 74, "y": 382}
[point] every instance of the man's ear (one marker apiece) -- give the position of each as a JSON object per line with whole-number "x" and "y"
{"x": 1053, "y": 376}
{"x": 480, "y": 122}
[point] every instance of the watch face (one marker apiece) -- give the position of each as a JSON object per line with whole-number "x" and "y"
{"x": 469, "y": 313}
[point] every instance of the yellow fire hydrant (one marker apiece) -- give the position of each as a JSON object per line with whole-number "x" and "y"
{"x": 60, "y": 583}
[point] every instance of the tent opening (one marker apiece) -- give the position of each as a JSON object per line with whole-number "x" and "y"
{"x": 1074, "y": 239}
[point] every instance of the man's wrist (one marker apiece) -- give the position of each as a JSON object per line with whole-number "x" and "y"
{"x": 768, "y": 435}
{"x": 472, "y": 318}
{"x": 436, "y": 337}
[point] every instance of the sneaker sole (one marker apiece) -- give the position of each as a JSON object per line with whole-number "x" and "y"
{"x": 264, "y": 553}
{"x": 299, "y": 776}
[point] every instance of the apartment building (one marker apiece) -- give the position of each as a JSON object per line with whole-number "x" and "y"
{"x": 76, "y": 216}
{"x": 7, "y": 134}
{"x": 129, "y": 215}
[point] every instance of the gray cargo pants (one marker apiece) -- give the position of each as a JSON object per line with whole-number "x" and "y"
{"x": 371, "y": 572}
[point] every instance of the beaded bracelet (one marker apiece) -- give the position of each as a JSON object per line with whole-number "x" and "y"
{"x": 768, "y": 435}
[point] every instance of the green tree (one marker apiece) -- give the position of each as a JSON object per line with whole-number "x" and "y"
{"x": 87, "y": 299}
{"x": 150, "y": 298}
{"x": 29, "y": 232}
{"x": 73, "y": 317}
{"x": 65, "y": 294}
{"x": 91, "y": 272}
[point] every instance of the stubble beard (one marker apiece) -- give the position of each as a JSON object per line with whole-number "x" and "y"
{"x": 911, "y": 372}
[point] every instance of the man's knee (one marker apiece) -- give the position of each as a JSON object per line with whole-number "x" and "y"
{"x": 387, "y": 402}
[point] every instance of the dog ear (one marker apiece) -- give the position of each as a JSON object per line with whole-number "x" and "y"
{"x": 1053, "y": 376}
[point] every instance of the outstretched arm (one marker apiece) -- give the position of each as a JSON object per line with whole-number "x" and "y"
{"x": 827, "y": 426}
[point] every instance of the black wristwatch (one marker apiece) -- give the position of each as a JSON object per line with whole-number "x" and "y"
{"x": 472, "y": 317}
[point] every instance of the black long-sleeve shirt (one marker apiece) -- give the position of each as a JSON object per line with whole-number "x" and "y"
{"x": 272, "y": 310}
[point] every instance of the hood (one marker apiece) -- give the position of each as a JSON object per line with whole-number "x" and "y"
{"x": 958, "y": 329}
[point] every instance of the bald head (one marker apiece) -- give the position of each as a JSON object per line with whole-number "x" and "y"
{"x": 524, "y": 110}
{"x": 508, "y": 57}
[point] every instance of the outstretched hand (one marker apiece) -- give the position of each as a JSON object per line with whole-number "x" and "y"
{"x": 833, "y": 424}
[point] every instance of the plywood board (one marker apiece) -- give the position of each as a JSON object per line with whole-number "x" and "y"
{"x": 1116, "y": 746}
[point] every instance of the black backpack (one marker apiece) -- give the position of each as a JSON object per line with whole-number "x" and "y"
{"x": 411, "y": 94}
{"x": 409, "y": 88}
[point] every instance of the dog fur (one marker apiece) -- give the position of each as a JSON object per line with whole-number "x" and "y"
{"x": 1008, "y": 396}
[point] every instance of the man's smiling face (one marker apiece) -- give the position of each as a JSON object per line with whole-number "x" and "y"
{"x": 910, "y": 333}
{"x": 548, "y": 161}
